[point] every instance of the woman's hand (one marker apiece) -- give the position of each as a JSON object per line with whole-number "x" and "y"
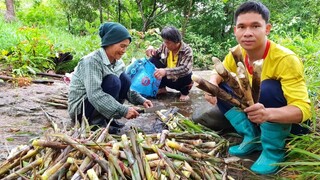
{"x": 147, "y": 104}
{"x": 150, "y": 51}
{"x": 160, "y": 73}
{"x": 132, "y": 113}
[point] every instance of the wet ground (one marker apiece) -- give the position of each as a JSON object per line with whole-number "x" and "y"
{"x": 22, "y": 110}
{"x": 22, "y": 114}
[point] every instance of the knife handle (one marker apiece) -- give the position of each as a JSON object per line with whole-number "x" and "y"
{"x": 140, "y": 111}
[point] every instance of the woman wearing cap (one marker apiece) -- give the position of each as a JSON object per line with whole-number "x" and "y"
{"x": 100, "y": 84}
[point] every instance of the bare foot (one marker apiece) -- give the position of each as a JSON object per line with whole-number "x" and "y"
{"x": 162, "y": 91}
{"x": 184, "y": 98}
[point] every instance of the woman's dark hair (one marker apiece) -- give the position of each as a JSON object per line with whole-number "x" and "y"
{"x": 171, "y": 33}
{"x": 252, "y": 6}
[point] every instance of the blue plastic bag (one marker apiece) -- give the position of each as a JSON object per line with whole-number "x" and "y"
{"x": 142, "y": 79}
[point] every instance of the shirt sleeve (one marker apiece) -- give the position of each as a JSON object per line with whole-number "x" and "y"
{"x": 293, "y": 84}
{"x": 184, "y": 65}
{"x": 135, "y": 98}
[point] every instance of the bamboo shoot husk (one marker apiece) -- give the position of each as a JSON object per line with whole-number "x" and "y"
{"x": 228, "y": 77}
{"x": 237, "y": 54}
{"x": 216, "y": 91}
{"x": 245, "y": 84}
{"x": 256, "y": 79}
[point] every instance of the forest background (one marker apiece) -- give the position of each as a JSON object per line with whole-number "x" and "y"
{"x": 41, "y": 35}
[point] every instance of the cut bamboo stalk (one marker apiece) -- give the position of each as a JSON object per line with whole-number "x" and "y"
{"x": 194, "y": 175}
{"x": 237, "y": 54}
{"x": 157, "y": 162}
{"x": 29, "y": 167}
{"x": 93, "y": 156}
{"x": 132, "y": 161}
{"x": 37, "y": 81}
{"x": 61, "y": 172}
{"x": 167, "y": 161}
{"x": 59, "y": 101}
{"x": 256, "y": 80}
{"x": 50, "y": 171}
{"x": 183, "y": 149}
{"x": 50, "y": 144}
{"x": 151, "y": 157}
{"x": 230, "y": 79}
{"x": 87, "y": 160}
{"x": 184, "y": 135}
{"x": 171, "y": 173}
{"x": 92, "y": 174}
{"x": 13, "y": 161}
{"x": 216, "y": 91}
{"x": 245, "y": 84}
{"x": 136, "y": 153}
{"x": 163, "y": 137}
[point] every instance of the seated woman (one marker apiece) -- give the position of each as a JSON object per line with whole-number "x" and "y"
{"x": 174, "y": 61}
{"x": 100, "y": 84}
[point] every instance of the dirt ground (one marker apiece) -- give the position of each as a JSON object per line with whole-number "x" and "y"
{"x": 22, "y": 111}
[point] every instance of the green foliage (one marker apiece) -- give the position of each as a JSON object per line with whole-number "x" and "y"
{"x": 303, "y": 157}
{"x": 204, "y": 48}
{"x": 32, "y": 54}
{"x": 294, "y": 16}
{"x": 36, "y": 16}
{"x": 8, "y": 36}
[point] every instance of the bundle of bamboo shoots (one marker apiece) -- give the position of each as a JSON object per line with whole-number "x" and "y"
{"x": 192, "y": 152}
{"x": 244, "y": 95}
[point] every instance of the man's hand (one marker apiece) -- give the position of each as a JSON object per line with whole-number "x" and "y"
{"x": 257, "y": 113}
{"x": 132, "y": 113}
{"x": 211, "y": 99}
{"x": 147, "y": 104}
{"x": 160, "y": 73}
{"x": 150, "y": 51}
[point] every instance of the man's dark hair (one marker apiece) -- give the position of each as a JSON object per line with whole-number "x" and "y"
{"x": 171, "y": 33}
{"x": 252, "y": 6}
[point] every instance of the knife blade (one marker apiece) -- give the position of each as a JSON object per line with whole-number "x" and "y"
{"x": 151, "y": 110}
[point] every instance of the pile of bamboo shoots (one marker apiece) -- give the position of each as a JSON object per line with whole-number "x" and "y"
{"x": 244, "y": 94}
{"x": 189, "y": 153}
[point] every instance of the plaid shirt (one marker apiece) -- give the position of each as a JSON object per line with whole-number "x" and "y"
{"x": 86, "y": 83}
{"x": 184, "y": 64}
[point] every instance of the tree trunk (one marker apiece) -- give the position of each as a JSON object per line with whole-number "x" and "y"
{"x": 10, "y": 14}
{"x": 100, "y": 12}
{"x": 187, "y": 13}
{"x": 119, "y": 11}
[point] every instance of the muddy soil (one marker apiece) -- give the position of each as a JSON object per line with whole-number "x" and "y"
{"x": 22, "y": 111}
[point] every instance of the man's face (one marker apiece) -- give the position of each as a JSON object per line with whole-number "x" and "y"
{"x": 251, "y": 30}
{"x": 116, "y": 51}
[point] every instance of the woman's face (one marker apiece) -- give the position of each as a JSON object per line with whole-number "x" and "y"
{"x": 116, "y": 51}
{"x": 172, "y": 46}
